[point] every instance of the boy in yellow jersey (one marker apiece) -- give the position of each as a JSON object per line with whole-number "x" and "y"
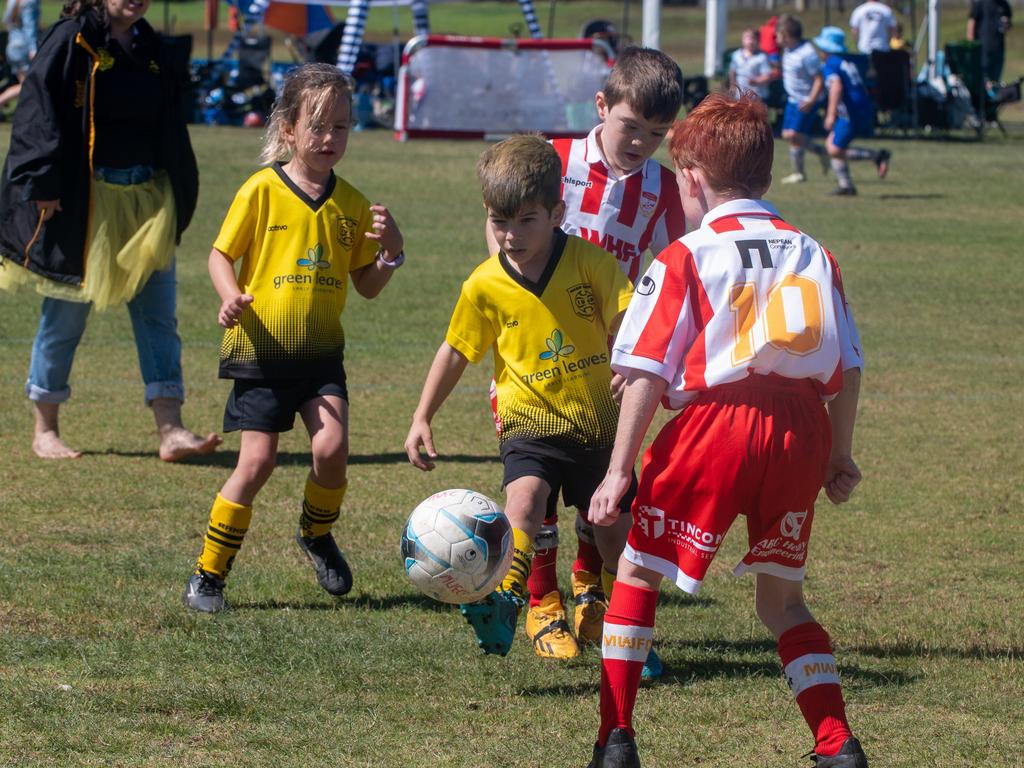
{"x": 299, "y": 234}
{"x": 619, "y": 197}
{"x": 545, "y": 305}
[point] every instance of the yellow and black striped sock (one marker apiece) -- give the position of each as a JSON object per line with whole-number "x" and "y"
{"x": 519, "y": 571}
{"x": 228, "y": 523}
{"x": 607, "y": 581}
{"x": 320, "y": 508}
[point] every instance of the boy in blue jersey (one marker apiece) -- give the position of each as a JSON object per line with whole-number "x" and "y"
{"x": 849, "y": 114}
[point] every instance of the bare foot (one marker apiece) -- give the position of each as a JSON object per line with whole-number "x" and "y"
{"x": 48, "y": 445}
{"x": 178, "y": 443}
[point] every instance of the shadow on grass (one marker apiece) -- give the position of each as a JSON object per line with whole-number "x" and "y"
{"x": 921, "y": 651}
{"x": 921, "y": 196}
{"x": 229, "y": 459}
{"x": 365, "y": 602}
{"x": 717, "y": 665}
{"x": 684, "y": 600}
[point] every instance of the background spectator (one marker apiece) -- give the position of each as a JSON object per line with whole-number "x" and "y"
{"x": 21, "y": 17}
{"x": 988, "y": 22}
{"x": 872, "y": 24}
{"x": 749, "y": 68}
{"x": 111, "y": 179}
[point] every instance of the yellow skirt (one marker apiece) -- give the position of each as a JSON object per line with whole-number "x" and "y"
{"x": 131, "y": 236}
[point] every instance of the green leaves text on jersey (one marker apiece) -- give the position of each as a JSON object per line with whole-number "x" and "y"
{"x": 312, "y": 263}
{"x": 558, "y": 351}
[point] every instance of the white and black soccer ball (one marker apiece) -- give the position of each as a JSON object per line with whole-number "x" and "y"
{"x": 457, "y": 546}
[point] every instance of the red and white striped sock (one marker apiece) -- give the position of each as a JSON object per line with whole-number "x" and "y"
{"x": 627, "y": 639}
{"x": 811, "y": 672}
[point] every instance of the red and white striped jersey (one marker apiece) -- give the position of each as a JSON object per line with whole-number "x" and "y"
{"x": 625, "y": 216}
{"x": 746, "y": 293}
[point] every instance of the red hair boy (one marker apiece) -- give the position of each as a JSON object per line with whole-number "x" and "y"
{"x": 742, "y": 324}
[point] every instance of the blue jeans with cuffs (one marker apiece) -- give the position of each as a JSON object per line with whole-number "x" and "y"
{"x": 154, "y": 325}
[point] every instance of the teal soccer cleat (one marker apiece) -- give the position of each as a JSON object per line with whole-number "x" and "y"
{"x": 653, "y": 668}
{"x": 494, "y": 620}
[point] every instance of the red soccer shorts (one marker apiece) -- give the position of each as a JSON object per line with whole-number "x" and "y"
{"x": 757, "y": 448}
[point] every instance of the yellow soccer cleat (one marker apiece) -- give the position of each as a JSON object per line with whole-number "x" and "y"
{"x": 590, "y": 606}
{"x": 549, "y": 631}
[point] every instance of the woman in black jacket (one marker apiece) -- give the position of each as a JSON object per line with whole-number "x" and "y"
{"x": 100, "y": 182}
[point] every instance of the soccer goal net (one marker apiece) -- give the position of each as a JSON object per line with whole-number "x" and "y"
{"x": 481, "y": 87}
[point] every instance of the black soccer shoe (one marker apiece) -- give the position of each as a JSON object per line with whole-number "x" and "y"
{"x": 618, "y": 752}
{"x": 331, "y": 569}
{"x": 882, "y": 162}
{"x": 850, "y": 756}
{"x": 204, "y": 592}
{"x": 844, "y": 192}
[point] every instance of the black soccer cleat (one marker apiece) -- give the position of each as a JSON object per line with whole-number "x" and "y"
{"x": 850, "y": 756}
{"x": 844, "y": 192}
{"x": 332, "y": 570}
{"x": 204, "y": 592}
{"x": 618, "y": 752}
{"x": 882, "y": 162}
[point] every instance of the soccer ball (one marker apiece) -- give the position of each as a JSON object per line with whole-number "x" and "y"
{"x": 457, "y": 546}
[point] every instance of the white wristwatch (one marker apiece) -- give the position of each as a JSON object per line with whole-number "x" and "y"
{"x": 398, "y": 261}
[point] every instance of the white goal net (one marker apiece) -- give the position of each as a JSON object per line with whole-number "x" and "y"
{"x": 473, "y": 87}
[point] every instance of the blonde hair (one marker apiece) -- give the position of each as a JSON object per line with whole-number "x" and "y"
{"x": 517, "y": 172}
{"x": 319, "y": 87}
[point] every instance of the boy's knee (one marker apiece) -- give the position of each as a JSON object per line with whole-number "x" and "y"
{"x": 332, "y": 460}
{"x": 259, "y": 468}
{"x": 780, "y": 604}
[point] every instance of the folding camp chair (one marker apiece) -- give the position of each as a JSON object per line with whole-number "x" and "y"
{"x": 964, "y": 61}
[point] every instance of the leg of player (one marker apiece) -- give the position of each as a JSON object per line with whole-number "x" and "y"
{"x": 880, "y": 157}
{"x": 495, "y": 617}
{"x": 229, "y": 520}
{"x": 546, "y": 623}
{"x": 326, "y": 420}
{"x": 810, "y": 668}
{"x": 796, "y": 156}
{"x": 844, "y": 184}
{"x": 627, "y": 639}
{"x": 822, "y": 154}
{"x": 587, "y": 589}
{"x": 544, "y": 571}
{"x": 611, "y": 540}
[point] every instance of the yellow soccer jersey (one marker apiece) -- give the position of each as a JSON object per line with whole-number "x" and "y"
{"x": 296, "y": 254}
{"x": 549, "y": 339}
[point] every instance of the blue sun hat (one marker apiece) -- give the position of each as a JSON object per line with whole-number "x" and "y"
{"x": 831, "y": 40}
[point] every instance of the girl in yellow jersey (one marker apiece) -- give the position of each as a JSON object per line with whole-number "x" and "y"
{"x": 298, "y": 233}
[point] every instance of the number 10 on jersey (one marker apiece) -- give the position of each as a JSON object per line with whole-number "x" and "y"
{"x": 788, "y": 316}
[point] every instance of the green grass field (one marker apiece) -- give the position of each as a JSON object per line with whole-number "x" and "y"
{"x": 918, "y": 578}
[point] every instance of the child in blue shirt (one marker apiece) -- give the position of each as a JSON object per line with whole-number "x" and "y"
{"x": 850, "y": 112}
